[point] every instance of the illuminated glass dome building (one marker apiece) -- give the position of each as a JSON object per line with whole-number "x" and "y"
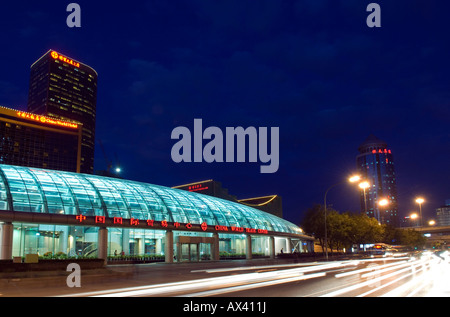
{"x": 53, "y": 212}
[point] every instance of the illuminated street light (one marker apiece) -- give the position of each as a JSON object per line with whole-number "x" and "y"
{"x": 414, "y": 216}
{"x": 352, "y": 179}
{"x": 364, "y": 185}
{"x": 420, "y": 200}
{"x": 431, "y": 222}
{"x": 382, "y": 203}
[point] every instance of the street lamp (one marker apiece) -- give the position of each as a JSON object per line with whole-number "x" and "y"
{"x": 382, "y": 203}
{"x": 352, "y": 179}
{"x": 414, "y": 216}
{"x": 420, "y": 200}
{"x": 364, "y": 185}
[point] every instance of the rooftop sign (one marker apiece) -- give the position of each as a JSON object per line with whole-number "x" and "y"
{"x": 55, "y": 55}
{"x": 46, "y": 120}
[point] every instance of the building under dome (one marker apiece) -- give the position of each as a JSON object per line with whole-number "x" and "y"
{"x": 54, "y": 212}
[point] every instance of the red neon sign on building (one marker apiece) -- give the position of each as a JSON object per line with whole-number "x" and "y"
{"x": 164, "y": 224}
{"x": 195, "y": 188}
{"x": 67, "y": 60}
{"x": 81, "y": 218}
{"x": 46, "y": 120}
{"x": 99, "y": 219}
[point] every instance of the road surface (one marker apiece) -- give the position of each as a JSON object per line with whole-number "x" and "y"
{"x": 427, "y": 274}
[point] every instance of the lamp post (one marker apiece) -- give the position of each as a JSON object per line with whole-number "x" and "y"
{"x": 365, "y": 185}
{"x": 351, "y": 180}
{"x": 414, "y": 216}
{"x": 420, "y": 200}
{"x": 382, "y": 203}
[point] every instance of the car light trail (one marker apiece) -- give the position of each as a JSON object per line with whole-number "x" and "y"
{"x": 410, "y": 268}
{"x": 366, "y": 269}
{"x": 257, "y": 285}
{"x": 428, "y": 274}
{"x": 436, "y": 277}
{"x": 225, "y": 283}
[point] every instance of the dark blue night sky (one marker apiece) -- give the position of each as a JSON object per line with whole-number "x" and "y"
{"x": 310, "y": 67}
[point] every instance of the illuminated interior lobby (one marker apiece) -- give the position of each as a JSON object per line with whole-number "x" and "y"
{"x": 49, "y": 212}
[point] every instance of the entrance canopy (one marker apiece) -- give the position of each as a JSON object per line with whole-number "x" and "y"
{"x": 33, "y": 190}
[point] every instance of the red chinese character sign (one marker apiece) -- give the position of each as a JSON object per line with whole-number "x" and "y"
{"x": 161, "y": 225}
{"x": 81, "y": 218}
{"x": 99, "y": 219}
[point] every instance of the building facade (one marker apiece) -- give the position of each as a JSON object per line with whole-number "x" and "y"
{"x": 38, "y": 141}
{"x": 375, "y": 164}
{"x": 271, "y": 204}
{"x": 443, "y": 214}
{"x": 65, "y": 89}
{"x": 54, "y": 212}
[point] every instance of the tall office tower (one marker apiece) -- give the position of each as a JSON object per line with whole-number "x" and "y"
{"x": 65, "y": 89}
{"x": 375, "y": 164}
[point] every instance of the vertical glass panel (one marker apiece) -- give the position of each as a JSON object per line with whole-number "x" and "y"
{"x": 196, "y": 210}
{"x": 24, "y": 190}
{"x": 153, "y": 203}
{"x": 112, "y": 199}
{"x": 181, "y": 207}
{"x": 174, "y": 210}
{"x": 223, "y": 215}
{"x": 68, "y": 206}
{"x": 3, "y": 196}
{"x": 132, "y": 199}
{"x": 84, "y": 194}
{"x": 50, "y": 191}
{"x": 248, "y": 214}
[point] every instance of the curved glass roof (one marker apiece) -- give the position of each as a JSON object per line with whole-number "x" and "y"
{"x": 46, "y": 191}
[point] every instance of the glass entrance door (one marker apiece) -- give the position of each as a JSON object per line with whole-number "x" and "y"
{"x": 194, "y": 252}
{"x": 189, "y": 252}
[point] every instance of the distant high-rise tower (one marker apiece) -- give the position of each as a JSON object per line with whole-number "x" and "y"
{"x": 65, "y": 89}
{"x": 375, "y": 164}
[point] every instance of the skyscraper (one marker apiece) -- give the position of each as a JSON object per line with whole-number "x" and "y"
{"x": 65, "y": 89}
{"x": 375, "y": 164}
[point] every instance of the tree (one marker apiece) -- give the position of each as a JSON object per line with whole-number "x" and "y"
{"x": 347, "y": 229}
{"x": 412, "y": 238}
{"x": 313, "y": 223}
{"x": 343, "y": 230}
{"x": 366, "y": 230}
